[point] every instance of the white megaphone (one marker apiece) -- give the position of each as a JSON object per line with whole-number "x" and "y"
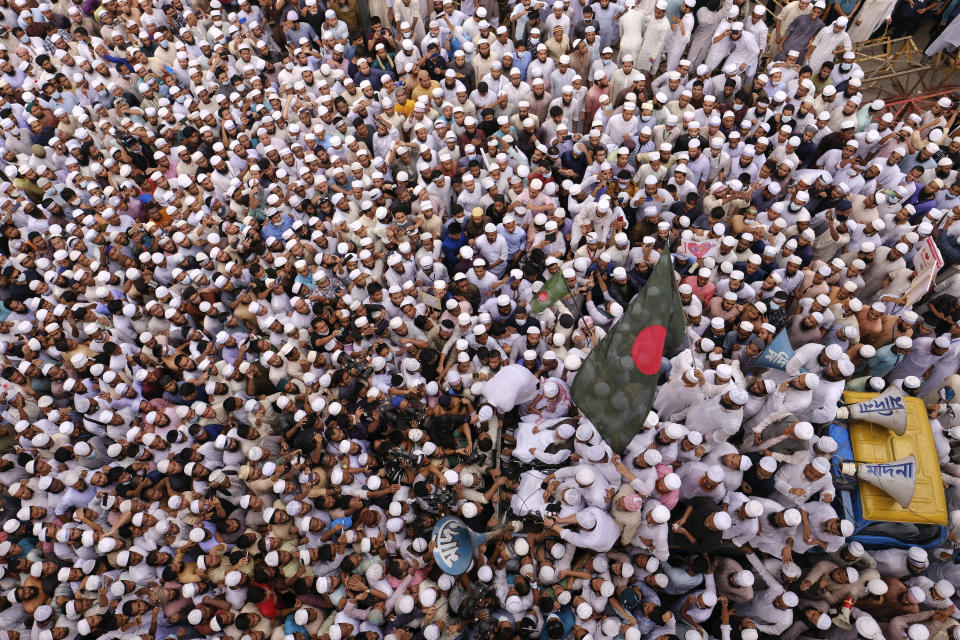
{"x": 898, "y": 478}
{"x": 842, "y": 619}
{"x": 887, "y": 410}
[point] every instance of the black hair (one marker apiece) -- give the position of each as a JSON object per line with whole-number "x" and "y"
{"x": 700, "y": 564}
{"x": 545, "y": 604}
{"x": 254, "y": 594}
{"x": 554, "y": 628}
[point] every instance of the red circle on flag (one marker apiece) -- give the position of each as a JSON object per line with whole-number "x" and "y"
{"x": 543, "y": 296}
{"x": 647, "y": 349}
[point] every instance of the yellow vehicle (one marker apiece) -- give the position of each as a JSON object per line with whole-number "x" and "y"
{"x": 878, "y": 519}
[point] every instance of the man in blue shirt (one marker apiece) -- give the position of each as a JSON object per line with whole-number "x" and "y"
{"x": 888, "y": 357}
{"x": 516, "y": 238}
{"x": 276, "y": 224}
{"x": 293, "y": 30}
{"x": 452, "y": 243}
{"x": 294, "y": 622}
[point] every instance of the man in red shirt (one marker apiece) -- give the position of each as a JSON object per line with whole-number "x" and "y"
{"x": 701, "y": 285}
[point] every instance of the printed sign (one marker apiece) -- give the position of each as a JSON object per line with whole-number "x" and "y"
{"x": 927, "y": 255}
{"x": 431, "y": 300}
{"x": 700, "y": 248}
{"x": 921, "y": 284}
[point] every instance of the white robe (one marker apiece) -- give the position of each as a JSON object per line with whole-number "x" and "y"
{"x": 946, "y": 366}
{"x": 631, "y": 35}
{"x": 511, "y": 386}
{"x": 778, "y": 406}
{"x": 675, "y": 398}
{"x": 405, "y": 13}
{"x": 746, "y": 50}
{"x": 917, "y": 361}
{"x": 676, "y": 43}
{"x": 717, "y": 51}
{"x": 702, "y": 38}
{"x": 824, "y": 44}
{"x": 713, "y": 421}
{"x": 654, "y": 37}
{"x": 871, "y": 16}
{"x": 529, "y": 495}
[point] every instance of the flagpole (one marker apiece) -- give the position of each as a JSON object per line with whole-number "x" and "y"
{"x": 580, "y": 318}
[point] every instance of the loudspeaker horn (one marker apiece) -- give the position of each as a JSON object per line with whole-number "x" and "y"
{"x": 455, "y": 543}
{"x": 842, "y": 619}
{"x": 887, "y": 410}
{"x": 898, "y": 478}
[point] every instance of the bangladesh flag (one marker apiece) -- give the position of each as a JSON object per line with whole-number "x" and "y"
{"x": 553, "y": 290}
{"x": 616, "y": 384}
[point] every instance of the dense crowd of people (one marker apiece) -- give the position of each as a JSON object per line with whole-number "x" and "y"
{"x": 270, "y": 285}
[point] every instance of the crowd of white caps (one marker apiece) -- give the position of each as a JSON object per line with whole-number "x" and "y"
{"x": 266, "y": 276}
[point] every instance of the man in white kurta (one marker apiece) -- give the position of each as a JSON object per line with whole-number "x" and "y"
{"x": 721, "y": 46}
{"x": 511, "y": 386}
{"x": 681, "y": 392}
{"x": 631, "y": 31}
{"x": 823, "y": 403}
{"x": 655, "y": 34}
{"x": 625, "y": 76}
{"x": 871, "y": 15}
{"x": 680, "y": 32}
{"x": 607, "y": 17}
{"x": 653, "y": 533}
{"x": 797, "y": 484}
{"x": 926, "y": 352}
{"x": 533, "y": 440}
{"x": 623, "y": 127}
{"x": 771, "y": 609}
{"x": 598, "y": 531}
{"x": 827, "y": 43}
{"x": 745, "y": 53}
{"x": 719, "y": 417}
{"x": 757, "y": 26}
{"x": 790, "y": 397}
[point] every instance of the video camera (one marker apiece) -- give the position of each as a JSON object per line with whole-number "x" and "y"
{"x": 355, "y": 368}
{"x": 404, "y": 417}
{"x": 474, "y": 457}
{"x": 443, "y": 501}
{"x": 397, "y": 461}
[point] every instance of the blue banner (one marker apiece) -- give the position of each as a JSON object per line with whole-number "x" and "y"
{"x": 777, "y": 354}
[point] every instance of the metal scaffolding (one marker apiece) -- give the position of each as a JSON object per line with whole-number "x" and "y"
{"x": 896, "y": 70}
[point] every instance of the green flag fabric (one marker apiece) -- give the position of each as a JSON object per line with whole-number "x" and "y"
{"x": 616, "y": 384}
{"x": 553, "y": 290}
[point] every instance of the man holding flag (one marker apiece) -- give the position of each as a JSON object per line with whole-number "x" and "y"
{"x": 777, "y": 354}
{"x": 615, "y": 386}
{"x": 552, "y": 292}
